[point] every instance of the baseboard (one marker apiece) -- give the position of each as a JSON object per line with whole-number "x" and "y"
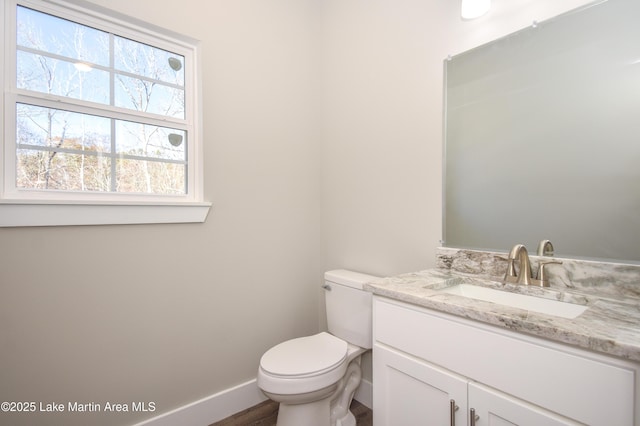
{"x": 223, "y": 404}
{"x": 364, "y": 394}
{"x": 212, "y": 408}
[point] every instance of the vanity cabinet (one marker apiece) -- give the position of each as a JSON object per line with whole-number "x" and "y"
{"x": 423, "y": 360}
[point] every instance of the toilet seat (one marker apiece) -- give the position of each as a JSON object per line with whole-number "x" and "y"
{"x": 304, "y": 364}
{"x": 305, "y": 356}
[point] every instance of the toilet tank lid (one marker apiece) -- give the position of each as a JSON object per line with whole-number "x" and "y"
{"x": 348, "y": 278}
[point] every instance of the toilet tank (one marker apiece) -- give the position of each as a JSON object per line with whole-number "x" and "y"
{"x": 349, "y": 306}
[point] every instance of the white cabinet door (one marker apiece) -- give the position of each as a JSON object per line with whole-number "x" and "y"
{"x": 494, "y": 408}
{"x": 410, "y": 392}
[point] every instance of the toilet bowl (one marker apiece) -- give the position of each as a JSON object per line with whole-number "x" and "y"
{"x": 314, "y": 377}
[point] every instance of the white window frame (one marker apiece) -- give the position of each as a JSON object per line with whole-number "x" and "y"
{"x": 52, "y": 208}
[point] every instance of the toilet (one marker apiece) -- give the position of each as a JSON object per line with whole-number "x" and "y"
{"x": 314, "y": 377}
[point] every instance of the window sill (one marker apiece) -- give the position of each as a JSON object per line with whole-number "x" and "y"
{"x": 20, "y": 213}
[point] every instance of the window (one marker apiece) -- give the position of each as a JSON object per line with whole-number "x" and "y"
{"x": 98, "y": 111}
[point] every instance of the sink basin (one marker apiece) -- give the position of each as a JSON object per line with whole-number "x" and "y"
{"x": 521, "y": 301}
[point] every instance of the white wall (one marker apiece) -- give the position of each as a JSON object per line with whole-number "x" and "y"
{"x": 322, "y": 121}
{"x": 174, "y": 313}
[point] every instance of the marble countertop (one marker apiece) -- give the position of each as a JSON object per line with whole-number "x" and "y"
{"x": 610, "y": 325}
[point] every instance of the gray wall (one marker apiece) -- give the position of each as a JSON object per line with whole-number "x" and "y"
{"x": 322, "y": 125}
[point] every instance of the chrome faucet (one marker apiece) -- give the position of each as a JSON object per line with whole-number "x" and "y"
{"x": 524, "y": 275}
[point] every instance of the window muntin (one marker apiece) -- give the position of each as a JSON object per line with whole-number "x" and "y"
{"x": 96, "y": 146}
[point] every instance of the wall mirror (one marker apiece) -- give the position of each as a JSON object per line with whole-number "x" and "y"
{"x": 542, "y": 137}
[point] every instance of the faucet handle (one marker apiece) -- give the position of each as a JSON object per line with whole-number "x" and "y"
{"x": 510, "y": 276}
{"x": 542, "y": 276}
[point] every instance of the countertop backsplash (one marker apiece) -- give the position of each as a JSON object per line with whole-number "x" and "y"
{"x": 603, "y": 279}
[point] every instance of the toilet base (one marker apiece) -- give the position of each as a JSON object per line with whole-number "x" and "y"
{"x": 340, "y": 406}
{"x": 325, "y": 407}
{"x": 348, "y": 420}
{"x": 316, "y": 413}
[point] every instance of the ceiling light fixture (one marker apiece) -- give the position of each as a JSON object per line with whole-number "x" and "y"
{"x": 472, "y": 9}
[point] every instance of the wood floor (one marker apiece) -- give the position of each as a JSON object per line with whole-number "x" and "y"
{"x": 266, "y": 413}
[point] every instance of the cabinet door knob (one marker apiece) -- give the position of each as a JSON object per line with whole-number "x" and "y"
{"x": 452, "y": 412}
